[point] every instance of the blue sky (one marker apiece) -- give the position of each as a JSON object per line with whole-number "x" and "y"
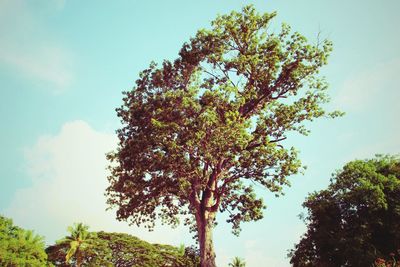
{"x": 64, "y": 64}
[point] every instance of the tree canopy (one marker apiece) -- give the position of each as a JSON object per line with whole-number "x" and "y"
{"x": 199, "y": 131}
{"x": 356, "y": 219}
{"x": 19, "y": 247}
{"x": 122, "y": 250}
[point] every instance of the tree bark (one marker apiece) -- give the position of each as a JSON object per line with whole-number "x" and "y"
{"x": 78, "y": 258}
{"x": 205, "y": 229}
{"x": 206, "y": 210}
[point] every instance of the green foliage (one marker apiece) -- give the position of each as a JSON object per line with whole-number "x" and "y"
{"x": 117, "y": 249}
{"x": 356, "y": 220}
{"x": 237, "y": 262}
{"x": 79, "y": 241}
{"x": 19, "y": 247}
{"x": 192, "y": 257}
{"x": 198, "y": 132}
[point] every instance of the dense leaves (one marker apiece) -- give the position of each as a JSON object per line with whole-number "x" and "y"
{"x": 356, "y": 220}
{"x": 123, "y": 250}
{"x": 79, "y": 242}
{"x": 19, "y": 247}
{"x": 198, "y": 132}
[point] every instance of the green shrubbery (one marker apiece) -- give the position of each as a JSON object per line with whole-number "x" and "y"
{"x": 19, "y": 247}
{"x": 118, "y": 249}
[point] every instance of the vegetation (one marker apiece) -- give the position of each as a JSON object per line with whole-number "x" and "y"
{"x": 79, "y": 242}
{"x": 198, "y": 132}
{"x": 392, "y": 261}
{"x": 356, "y": 220}
{"x": 19, "y": 247}
{"x": 117, "y": 249}
{"x": 237, "y": 262}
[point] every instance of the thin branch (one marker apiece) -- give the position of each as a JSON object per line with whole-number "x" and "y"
{"x": 225, "y": 74}
{"x": 252, "y": 146}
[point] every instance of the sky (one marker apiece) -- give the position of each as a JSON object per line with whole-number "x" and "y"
{"x": 64, "y": 65}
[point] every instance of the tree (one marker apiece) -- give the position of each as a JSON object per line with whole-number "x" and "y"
{"x": 79, "y": 241}
{"x": 19, "y": 247}
{"x": 123, "y": 250}
{"x": 199, "y": 131}
{"x": 356, "y": 220}
{"x": 237, "y": 262}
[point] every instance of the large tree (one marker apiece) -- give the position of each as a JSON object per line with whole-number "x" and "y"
{"x": 356, "y": 220}
{"x": 198, "y": 132}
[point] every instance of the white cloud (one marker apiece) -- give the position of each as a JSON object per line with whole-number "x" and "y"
{"x": 26, "y": 46}
{"x": 68, "y": 174}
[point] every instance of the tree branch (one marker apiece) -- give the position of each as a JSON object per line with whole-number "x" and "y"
{"x": 254, "y": 145}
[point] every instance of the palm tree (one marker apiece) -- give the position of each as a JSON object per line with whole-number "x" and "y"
{"x": 237, "y": 262}
{"x": 79, "y": 240}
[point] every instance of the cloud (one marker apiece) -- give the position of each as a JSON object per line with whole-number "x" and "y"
{"x": 68, "y": 173}
{"x": 29, "y": 49}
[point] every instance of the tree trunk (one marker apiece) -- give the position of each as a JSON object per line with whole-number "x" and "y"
{"x": 206, "y": 210}
{"x": 207, "y": 254}
{"x": 78, "y": 258}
